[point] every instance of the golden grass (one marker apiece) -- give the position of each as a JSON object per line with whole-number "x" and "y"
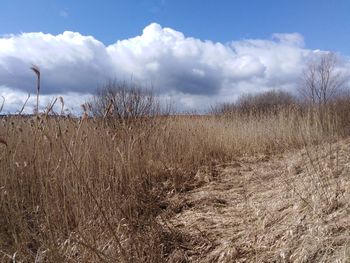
{"x": 80, "y": 191}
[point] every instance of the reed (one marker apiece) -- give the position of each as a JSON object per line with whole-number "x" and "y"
{"x": 78, "y": 190}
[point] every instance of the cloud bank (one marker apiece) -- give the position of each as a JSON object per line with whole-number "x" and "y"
{"x": 192, "y": 72}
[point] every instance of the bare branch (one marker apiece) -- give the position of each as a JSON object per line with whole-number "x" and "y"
{"x": 124, "y": 100}
{"x": 321, "y": 82}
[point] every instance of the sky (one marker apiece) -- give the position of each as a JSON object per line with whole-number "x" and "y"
{"x": 195, "y": 53}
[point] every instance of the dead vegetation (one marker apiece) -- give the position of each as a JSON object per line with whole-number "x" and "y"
{"x": 286, "y": 208}
{"x": 232, "y": 188}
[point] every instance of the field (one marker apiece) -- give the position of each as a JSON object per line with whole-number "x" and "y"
{"x": 230, "y": 188}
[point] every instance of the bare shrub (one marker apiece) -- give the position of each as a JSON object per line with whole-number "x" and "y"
{"x": 124, "y": 100}
{"x": 269, "y": 102}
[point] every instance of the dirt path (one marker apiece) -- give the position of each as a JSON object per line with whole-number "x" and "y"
{"x": 250, "y": 210}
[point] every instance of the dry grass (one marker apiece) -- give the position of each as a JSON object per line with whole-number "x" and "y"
{"x": 271, "y": 208}
{"x": 80, "y": 191}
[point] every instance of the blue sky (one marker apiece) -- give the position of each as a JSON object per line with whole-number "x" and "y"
{"x": 325, "y": 24}
{"x": 193, "y": 52}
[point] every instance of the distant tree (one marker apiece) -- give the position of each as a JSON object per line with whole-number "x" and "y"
{"x": 321, "y": 82}
{"x": 261, "y": 103}
{"x": 124, "y": 100}
{"x": 265, "y": 102}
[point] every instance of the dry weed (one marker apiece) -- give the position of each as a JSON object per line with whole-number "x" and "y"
{"x": 83, "y": 190}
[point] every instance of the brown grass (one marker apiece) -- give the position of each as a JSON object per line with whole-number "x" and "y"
{"x": 80, "y": 191}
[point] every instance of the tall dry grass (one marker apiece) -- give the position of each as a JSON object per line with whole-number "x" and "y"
{"x": 77, "y": 190}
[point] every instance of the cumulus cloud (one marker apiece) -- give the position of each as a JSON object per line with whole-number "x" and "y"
{"x": 191, "y": 71}
{"x": 15, "y": 99}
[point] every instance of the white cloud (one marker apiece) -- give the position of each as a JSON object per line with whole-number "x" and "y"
{"x": 191, "y": 71}
{"x": 294, "y": 39}
{"x": 63, "y": 13}
{"x": 15, "y": 99}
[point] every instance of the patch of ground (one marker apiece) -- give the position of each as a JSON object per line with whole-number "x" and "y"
{"x": 288, "y": 208}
